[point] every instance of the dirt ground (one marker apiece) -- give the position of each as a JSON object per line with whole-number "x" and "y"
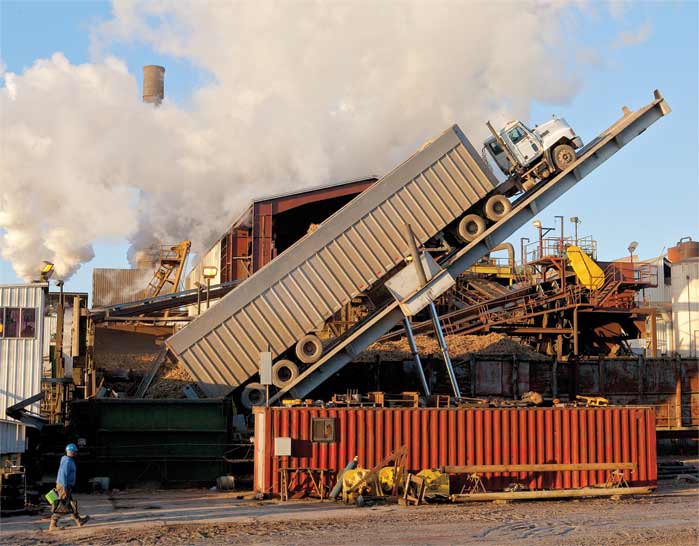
{"x": 670, "y": 517}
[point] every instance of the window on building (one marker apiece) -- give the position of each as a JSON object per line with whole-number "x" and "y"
{"x": 2, "y": 321}
{"x": 12, "y": 321}
{"x": 28, "y": 324}
{"x": 323, "y": 430}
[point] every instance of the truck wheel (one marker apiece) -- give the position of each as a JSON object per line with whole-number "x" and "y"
{"x": 309, "y": 348}
{"x": 253, "y": 395}
{"x": 283, "y": 372}
{"x": 470, "y": 227}
{"x": 496, "y": 207}
{"x": 563, "y": 156}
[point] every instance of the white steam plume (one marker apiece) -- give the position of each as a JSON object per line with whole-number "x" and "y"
{"x": 303, "y": 93}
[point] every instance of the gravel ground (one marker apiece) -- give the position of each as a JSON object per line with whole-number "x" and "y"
{"x": 669, "y": 517}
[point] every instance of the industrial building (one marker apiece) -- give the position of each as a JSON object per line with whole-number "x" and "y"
{"x": 340, "y": 320}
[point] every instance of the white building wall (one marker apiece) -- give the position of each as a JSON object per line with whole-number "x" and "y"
{"x": 662, "y": 294}
{"x": 685, "y": 306}
{"x": 20, "y": 363}
{"x": 212, "y": 257}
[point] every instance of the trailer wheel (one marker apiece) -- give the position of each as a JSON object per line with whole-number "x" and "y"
{"x": 253, "y": 395}
{"x": 563, "y": 156}
{"x": 283, "y": 372}
{"x": 470, "y": 227}
{"x": 496, "y": 207}
{"x": 309, "y": 348}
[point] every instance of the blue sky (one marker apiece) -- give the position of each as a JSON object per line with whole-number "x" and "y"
{"x": 649, "y": 192}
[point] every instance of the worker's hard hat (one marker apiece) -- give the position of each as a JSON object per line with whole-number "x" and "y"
{"x": 72, "y": 447}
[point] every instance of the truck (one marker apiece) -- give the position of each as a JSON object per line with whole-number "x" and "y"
{"x": 447, "y": 198}
{"x": 531, "y": 155}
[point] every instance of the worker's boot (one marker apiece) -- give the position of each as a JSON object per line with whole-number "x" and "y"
{"x": 53, "y": 525}
{"x": 81, "y": 520}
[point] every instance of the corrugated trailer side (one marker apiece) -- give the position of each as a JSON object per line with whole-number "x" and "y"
{"x": 437, "y": 437}
{"x": 313, "y": 279}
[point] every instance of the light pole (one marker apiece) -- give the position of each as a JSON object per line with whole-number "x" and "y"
{"x": 58, "y": 353}
{"x": 633, "y": 245}
{"x": 210, "y": 271}
{"x": 199, "y": 289}
{"x": 576, "y": 221}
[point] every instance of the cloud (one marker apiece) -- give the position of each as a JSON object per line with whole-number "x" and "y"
{"x": 302, "y": 94}
{"x": 628, "y": 39}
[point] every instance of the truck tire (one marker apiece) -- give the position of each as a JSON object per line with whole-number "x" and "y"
{"x": 496, "y": 207}
{"x": 563, "y": 156}
{"x": 283, "y": 372}
{"x": 470, "y": 227}
{"x": 253, "y": 395}
{"x": 309, "y": 348}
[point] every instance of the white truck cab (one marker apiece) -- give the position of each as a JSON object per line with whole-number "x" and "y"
{"x": 533, "y": 154}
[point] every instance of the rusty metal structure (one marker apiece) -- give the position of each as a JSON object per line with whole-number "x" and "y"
{"x": 171, "y": 264}
{"x": 549, "y": 306}
{"x": 272, "y": 224}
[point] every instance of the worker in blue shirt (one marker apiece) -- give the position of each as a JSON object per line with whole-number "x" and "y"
{"x": 65, "y": 480}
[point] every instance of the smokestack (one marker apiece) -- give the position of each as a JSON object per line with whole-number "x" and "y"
{"x": 153, "y": 84}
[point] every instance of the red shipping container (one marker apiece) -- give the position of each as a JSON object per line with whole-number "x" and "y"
{"x": 438, "y": 437}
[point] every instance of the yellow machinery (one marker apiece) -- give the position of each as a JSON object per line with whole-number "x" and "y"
{"x": 383, "y": 484}
{"x": 350, "y": 478}
{"x": 588, "y": 272}
{"x": 593, "y": 401}
{"x": 437, "y": 483}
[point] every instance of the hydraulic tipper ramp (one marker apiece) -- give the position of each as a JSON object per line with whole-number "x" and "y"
{"x": 525, "y": 208}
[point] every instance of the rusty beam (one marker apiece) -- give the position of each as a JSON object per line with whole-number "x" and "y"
{"x": 536, "y": 330}
{"x": 542, "y": 467}
{"x": 556, "y": 494}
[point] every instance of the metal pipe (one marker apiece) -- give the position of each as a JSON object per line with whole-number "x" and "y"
{"x": 510, "y": 253}
{"x": 561, "y": 239}
{"x": 444, "y": 349}
{"x": 416, "y": 355}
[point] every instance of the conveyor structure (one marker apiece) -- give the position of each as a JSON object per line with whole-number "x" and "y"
{"x": 362, "y": 247}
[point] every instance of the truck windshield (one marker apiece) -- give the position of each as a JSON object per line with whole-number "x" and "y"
{"x": 516, "y": 134}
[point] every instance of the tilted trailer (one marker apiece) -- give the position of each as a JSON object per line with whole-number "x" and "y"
{"x": 445, "y": 189}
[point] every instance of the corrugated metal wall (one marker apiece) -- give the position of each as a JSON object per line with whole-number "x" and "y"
{"x": 314, "y": 278}
{"x": 439, "y": 437}
{"x": 112, "y": 286}
{"x": 20, "y": 363}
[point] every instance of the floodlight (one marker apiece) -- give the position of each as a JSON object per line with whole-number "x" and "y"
{"x": 210, "y": 271}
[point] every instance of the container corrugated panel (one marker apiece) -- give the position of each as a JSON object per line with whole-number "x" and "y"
{"x": 304, "y": 286}
{"x": 20, "y": 362}
{"x": 113, "y": 286}
{"x": 438, "y": 437}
